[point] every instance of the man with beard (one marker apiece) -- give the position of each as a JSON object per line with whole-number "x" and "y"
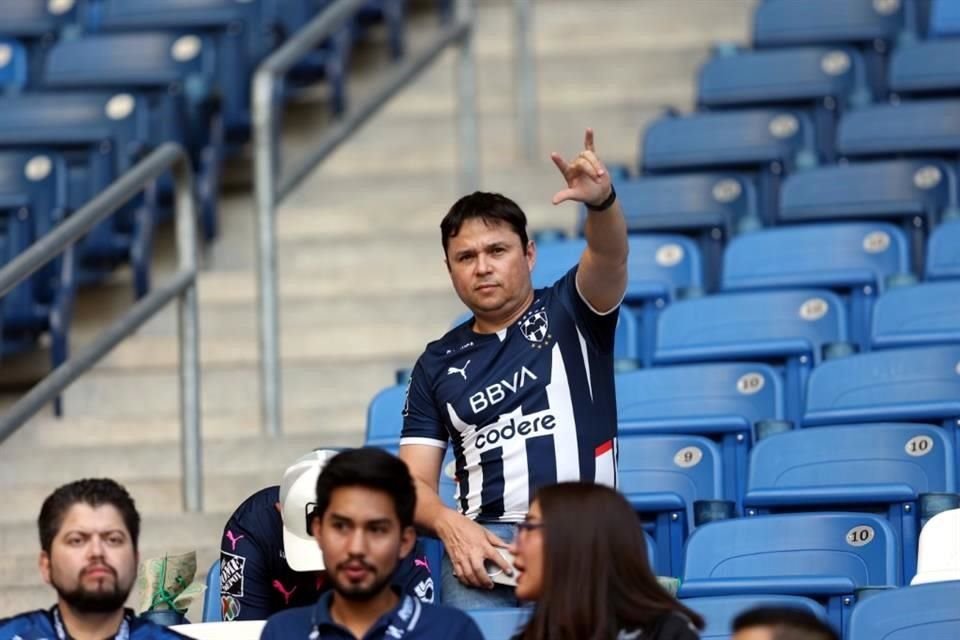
{"x": 363, "y": 523}
{"x": 89, "y": 531}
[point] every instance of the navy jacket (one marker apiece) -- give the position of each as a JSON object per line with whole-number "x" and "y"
{"x": 255, "y": 579}
{"x": 38, "y": 625}
{"x": 410, "y": 620}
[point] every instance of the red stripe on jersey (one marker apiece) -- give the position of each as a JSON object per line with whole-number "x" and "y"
{"x": 602, "y": 449}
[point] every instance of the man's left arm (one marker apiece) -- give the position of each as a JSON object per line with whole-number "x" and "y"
{"x": 602, "y": 274}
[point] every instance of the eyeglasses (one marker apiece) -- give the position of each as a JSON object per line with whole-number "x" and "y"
{"x": 527, "y": 526}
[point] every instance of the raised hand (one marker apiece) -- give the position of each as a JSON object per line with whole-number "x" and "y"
{"x": 587, "y": 179}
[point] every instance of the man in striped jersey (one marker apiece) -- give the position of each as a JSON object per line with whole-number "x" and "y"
{"x": 524, "y": 389}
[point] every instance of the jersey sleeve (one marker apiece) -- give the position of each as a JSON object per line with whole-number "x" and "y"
{"x": 597, "y": 328}
{"x": 421, "y": 415}
{"x": 244, "y": 576}
{"x": 414, "y": 575}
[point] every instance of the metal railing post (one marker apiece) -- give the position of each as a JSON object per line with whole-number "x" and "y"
{"x": 265, "y": 189}
{"x": 525, "y": 78}
{"x": 188, "y": 315}
{"x": 466, "y": 70}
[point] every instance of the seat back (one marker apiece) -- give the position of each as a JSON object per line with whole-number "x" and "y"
{"x": 694, "y": 399}
{"x": 751, "y": 140}
{"x": 797, "y": 550}
{"x": 911, "y": 613}
{"x": 907, "y": 128}
{"x": 778, "y": 23}
{"x": 688, "y": 467}
{"x": 13, "y": 66}
{"x": 658, "y": 268}
{"x": 686, "y": 202}
{"x": 924, "y": 68}
{"x": 844, "y": 465}
{"x": 921, "y": 383}
{"x": 943, "y": 251}
{"x": 761, "y": 325}
{"x": 500, "y": 623}
{"x": 781, "y": 76}
{"x": 212, "y": 609}
{"x": 869, "y": 190}
{"x": 938, "y": 559}
{"x": 35, "y": 18}
{"x": 924, "y": 314}
{"x": 944, "y": 19}
{"x": 719, "y": 612}
{"x": 837, "y": 256}
{"x": 385, "y": 416}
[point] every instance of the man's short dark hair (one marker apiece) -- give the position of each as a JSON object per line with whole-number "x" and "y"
{"x": 787, "y": 623}
{"x": 492, "y": 208}
{"x": 94, "y": 492}
{"x": 370, "y": 468}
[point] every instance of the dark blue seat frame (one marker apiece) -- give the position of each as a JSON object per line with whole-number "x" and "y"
{"x": 821, "y": 80}
{"x": 101, "y": 136}
{"x": 787, "y": 329}
{"x": 943, "y": 252}
{"x": 37, "y": 27}
{"x": 720, "y": 401}
{"x": 824, "y": 556}
{"x": 762, "y": 143}
{"x": 865, "y": 467}
{"x": 33, "y": 199}
{"x": 178, "y": 89}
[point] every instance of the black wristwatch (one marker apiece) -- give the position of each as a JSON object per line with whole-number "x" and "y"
{"x": 606, "y": 204}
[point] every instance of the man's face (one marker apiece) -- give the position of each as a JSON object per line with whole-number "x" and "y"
{"x": 362, "y": 541}
{"x": 754, "y": 633}
{"x": 489, "y": 267}
{"x": 92, "y": 563}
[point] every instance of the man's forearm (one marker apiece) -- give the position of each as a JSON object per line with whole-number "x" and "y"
{"x": 606, "y": 235}
{"x": 430, "y": 508}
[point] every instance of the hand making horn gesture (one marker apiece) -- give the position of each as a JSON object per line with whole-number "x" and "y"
{"x": 587, "y": 179}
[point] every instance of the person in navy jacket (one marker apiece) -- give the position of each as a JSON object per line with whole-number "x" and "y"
{"x": 363, "y": 524}
{"x": 89, "y": 531}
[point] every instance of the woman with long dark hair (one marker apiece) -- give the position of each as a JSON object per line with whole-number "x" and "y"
{"x": 582, "y": 558}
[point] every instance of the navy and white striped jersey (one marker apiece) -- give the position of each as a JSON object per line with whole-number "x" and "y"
{"x": 531, "y": 405}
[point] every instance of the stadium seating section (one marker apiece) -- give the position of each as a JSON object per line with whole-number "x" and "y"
{"x": 788, "y": 350}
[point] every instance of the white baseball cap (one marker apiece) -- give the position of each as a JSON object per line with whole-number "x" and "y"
{"x": 298, "y": 497}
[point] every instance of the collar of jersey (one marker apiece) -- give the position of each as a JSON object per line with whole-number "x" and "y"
{"x": 324, "y": 619}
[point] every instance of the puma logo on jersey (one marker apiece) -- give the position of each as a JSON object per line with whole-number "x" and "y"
{"x": 462, "y": 371}
{"x": 234, "y": 539}
{"x": 283, "y": 591}
{"x": 497, "y": 392}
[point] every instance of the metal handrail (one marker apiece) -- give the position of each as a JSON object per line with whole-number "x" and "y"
{"x": 271, "y": 188}
{"x": 181, "y": 287}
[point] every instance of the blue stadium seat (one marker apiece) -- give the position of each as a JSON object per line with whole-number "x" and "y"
{"x": 708, "y": 207}
{"x": 873, "y": 25}
{"x": 101, "y": 135}
{"x": 662, "y": 477}
{"x": 390, "y": 12}
{"x": 912, "y": 613}
{"x": 824, "y": 556}
{"x": 944, "y": 19}
{"x": 923, "y": 127}
{"x": 237, "y": 31}
{"x": 13, "y": 66}
{"x": 786, "y": 328}
{"x": 719, "y": 612}
{"x": 764, "y": 143}
{"x": 917, "y": 384}
{"x": 385, "y": 417}
{"x": 37, "y": 24}
{"x": 33, "y": 199}
{"x": 822, "y": 81}
{"x": 914, "y": 192}
{"x": 924, "y": 314}
{"x": 923, "y": 68}
{"x": 500, "y": 624}
{"x": 722, "y": 401}
{"x": 943, "y": 252}
{"x": 660, "y": 268}
{"x": 212, "y": 609}
{"x": 855, "y": 259}
{"x": 852, "y": 468}
{"x": 173, "y": 74}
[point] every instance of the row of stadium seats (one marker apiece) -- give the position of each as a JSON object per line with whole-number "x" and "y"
{"x": 89, "y": 87}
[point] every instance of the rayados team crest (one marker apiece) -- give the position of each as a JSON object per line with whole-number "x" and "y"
{"x": 535, "y": 326}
